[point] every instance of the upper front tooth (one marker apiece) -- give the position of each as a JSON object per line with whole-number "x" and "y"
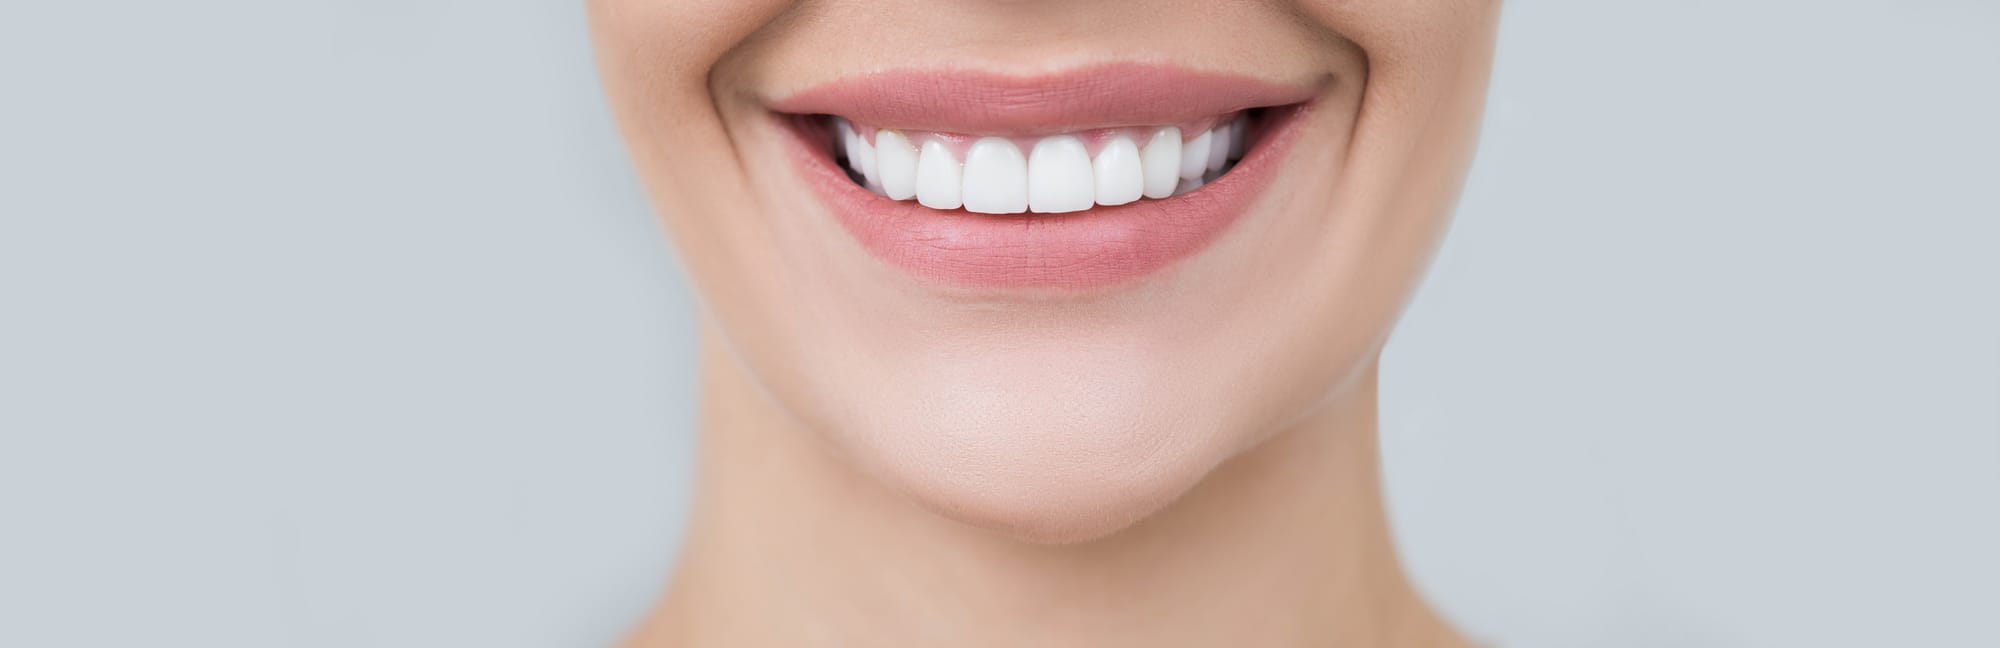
{"x": 939, "y": 178}
{"x": 1218, "y": 150}
{"x": 1162, "y": 162}
{"x": 996, "y": 177}
{"x": 1059, "y": 176}
{"x": 1117, "y": 170}
{"x": 896, "y": 164}
{"x": 1194, "y": 155}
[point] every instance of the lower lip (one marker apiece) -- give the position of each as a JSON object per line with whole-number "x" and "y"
{"x": 1095, "y": 248}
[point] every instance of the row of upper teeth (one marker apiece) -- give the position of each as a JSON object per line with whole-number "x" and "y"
{"x": 1057, "y": 175}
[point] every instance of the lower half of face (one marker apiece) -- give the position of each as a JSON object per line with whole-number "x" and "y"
{"x": 1042, "y": 266}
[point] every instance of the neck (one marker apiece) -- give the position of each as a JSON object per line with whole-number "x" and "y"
{"x": 1285, "y": 545}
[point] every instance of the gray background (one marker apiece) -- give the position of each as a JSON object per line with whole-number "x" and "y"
{"x": 344, "y": 324}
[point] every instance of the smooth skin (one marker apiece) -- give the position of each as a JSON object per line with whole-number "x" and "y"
{"x": 1185, "y": 460}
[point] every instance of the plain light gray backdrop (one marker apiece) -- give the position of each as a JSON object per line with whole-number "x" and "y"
{"x": 345, "y": 324}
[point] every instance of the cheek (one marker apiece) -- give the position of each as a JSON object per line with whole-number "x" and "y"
{"x": 655, "y": 60}
{"x": 677, "y": 39}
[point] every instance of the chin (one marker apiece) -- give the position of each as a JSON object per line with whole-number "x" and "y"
{"x": 1059, "y": 454}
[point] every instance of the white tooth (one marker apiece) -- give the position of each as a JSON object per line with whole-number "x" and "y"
{"x": 1059, "y": 176}
{"x": 896, "y": 162}
{"x": 1187, "y": 185}
{"x": 1240, "y": 129}
{"x": 939, "y": 178}
{"x": 863, "y": 155}
{"x": 847, "y": 145}
{"x": 1162, "y": 162}
{"x": 996, "y": 177}
{"x": 1194, "y": 155}
{"x": 1119, "y": 177}
{"x": 1218, "y": 149}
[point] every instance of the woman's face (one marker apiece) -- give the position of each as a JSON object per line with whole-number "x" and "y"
{"x": 995, "y": 253}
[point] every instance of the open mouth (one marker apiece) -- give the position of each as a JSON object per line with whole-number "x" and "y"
{"x": 1072, "y": 180}
{"x": 1054, "y": 174}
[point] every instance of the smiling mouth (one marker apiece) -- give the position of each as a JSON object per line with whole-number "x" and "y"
{"x": 1053, "y": 174}
{"x": 1075, "y": 180}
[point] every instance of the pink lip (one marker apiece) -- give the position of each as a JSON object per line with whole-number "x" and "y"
{"x": 1079, "y": 250}
{"x": 1116, "y": 94}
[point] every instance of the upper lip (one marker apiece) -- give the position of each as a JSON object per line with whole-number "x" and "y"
{"x": 1106, "y": 95}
